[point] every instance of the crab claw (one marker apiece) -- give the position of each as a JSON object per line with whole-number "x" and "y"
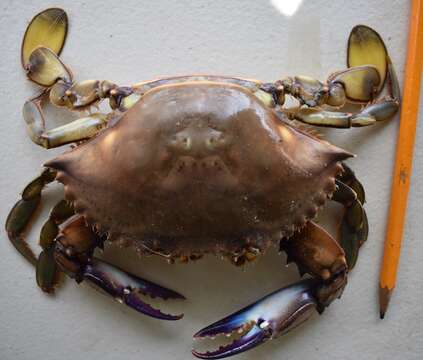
{"x": 126, "y": 288}
{"x": 268, "y": 318}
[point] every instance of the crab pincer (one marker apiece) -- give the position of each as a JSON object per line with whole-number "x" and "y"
{"x": 126, "y": 288}
{"x": 73, "y": 252}
{"x": 266, "y": 319}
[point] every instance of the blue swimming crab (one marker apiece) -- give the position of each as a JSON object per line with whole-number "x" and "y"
{"x": 201, "y": 164}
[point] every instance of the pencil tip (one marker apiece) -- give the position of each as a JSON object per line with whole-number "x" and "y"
{"x": 384, "y": 297}
{"x": 382, "y": 315}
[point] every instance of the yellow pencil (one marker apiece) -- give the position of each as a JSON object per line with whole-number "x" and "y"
{"x": 404, "y": 157}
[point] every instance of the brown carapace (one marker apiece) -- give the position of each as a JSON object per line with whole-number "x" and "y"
{"x": 197, "y": 168}
{"x": 201, "y": 164}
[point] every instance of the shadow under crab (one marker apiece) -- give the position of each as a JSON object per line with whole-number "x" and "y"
{"x": 201, "y": 164}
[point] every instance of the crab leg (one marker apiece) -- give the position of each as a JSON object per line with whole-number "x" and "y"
{"x": 47, "y": 273}
{"x": 46, "y": 69}
{"x": 356, "y": 84}
{"x": 41, "y": 46}
{"x": 370, "y": 72}
{"x": 276, "y": 314}
{"x": 382, "y": 108}
{"x": 354, "y": 225}
{"x": 77, "y": 130}
{"x": 62, "y": 211}
{"x": 23, "y": 212}
{"x": 378, "y": 111}
{"x": 74, "y": 247}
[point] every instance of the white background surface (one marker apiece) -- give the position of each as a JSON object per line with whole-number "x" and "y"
{"x": 129, "y": 41}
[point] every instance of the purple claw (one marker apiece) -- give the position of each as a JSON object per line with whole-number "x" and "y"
{"x": 127, "y": 288}
{"x": 254, "y": 337}
{"x": 270, "y": 317}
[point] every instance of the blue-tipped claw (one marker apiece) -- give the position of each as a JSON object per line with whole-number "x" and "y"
{"x": 273, "y": 315}
{"x": 251, "y": 339}
{"x": 127, "y": 288}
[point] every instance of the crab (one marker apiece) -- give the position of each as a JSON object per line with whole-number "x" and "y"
{"x": 200, "y": 164}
